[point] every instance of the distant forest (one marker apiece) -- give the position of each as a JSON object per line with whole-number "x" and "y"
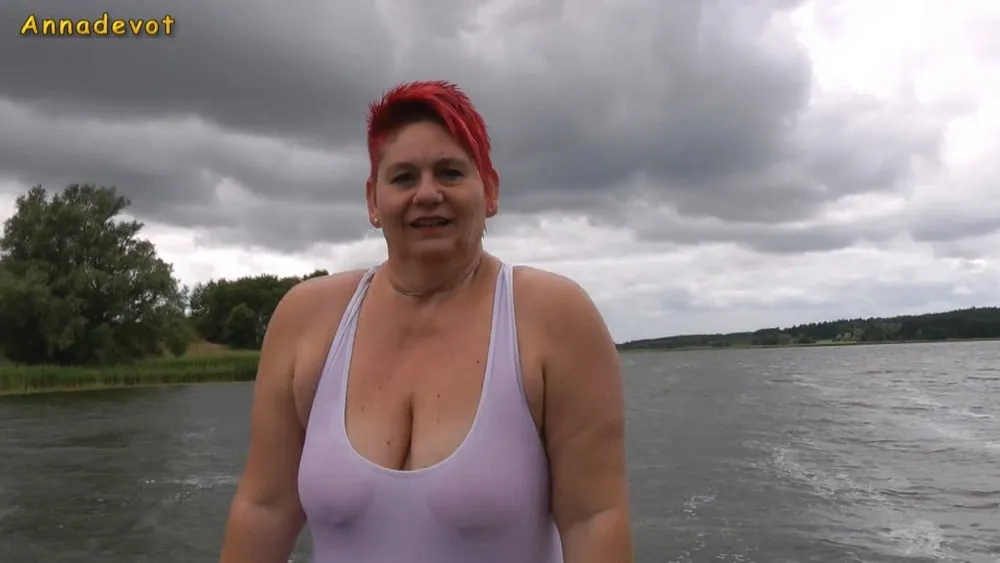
{"x": 963, "y": 324}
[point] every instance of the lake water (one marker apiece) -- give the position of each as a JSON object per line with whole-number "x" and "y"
{"x": 876, "y": 453}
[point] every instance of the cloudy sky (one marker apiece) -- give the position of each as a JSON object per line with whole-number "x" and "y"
{"x": 697, "y": 165}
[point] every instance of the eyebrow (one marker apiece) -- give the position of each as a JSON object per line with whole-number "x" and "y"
{"x": 455, "y": 161}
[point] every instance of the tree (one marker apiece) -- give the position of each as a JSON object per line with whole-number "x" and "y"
{"x": 77, "y": 286}
{"x": 213, "y": 303}
{"x": 242, "y": 328}
{"x": 252, "y": 299}
{"x": 975, "y": 322}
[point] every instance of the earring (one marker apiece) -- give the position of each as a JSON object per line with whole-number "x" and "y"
{"x": 376, "y": 223}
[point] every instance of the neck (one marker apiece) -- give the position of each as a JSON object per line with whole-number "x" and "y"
{"x": 423, "y": 279}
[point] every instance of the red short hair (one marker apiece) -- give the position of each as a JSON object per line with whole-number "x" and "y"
{"x": 438, "y": 101}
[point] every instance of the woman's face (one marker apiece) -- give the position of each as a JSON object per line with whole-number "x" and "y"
{"x": 428, "y": 197}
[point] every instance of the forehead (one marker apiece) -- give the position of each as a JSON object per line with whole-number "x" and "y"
{"x": 423, "y": 142}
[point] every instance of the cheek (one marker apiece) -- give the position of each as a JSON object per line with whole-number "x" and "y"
{"x": 390, "y": 201}
{"x": 474, "y": 201}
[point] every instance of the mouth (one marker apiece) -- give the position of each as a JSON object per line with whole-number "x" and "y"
{"x": 430, "y": 222}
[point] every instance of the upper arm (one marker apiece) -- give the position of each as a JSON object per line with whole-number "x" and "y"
{"x": 266, "y": 515}
{"x": 584, "y": 424}
{"x": 270, "y": 475}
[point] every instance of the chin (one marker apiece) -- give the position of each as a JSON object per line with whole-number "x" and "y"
{"x": 434, "y": 249}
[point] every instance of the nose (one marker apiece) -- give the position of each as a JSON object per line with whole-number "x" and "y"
{"x": 428, "y": 190}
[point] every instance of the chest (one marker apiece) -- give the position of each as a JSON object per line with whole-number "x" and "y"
{"x": 414, "y": 386}
{"x": 411, "y": 401}
{"x": 415, "y": 383}
{"x": 434, "y": 365}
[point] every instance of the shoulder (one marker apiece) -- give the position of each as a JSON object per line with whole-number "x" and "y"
{"x": 293, "y": 329}
{"x": 552, "y": 295}
{"x": 557, "y": 305}
{"x": 313, "y": 298}
{"x": 339, "y": 284}
{"x": 535, "y": 280}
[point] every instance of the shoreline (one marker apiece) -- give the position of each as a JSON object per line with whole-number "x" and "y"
{"x": 101, "y": 387}
{"x": 229, "y": 367}
{"x": 846, "y": 344}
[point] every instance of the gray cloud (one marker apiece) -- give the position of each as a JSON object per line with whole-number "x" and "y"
{"x": 943, "y": 229}
{"x": 249, "y": 123}
{"x": 300, "y": 69}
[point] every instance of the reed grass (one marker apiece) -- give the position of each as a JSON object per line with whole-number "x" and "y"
{"x": 204, "y": 363}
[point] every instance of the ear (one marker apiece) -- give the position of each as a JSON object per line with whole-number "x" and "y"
{"x": 492, "y": 189}
{"x": 372, "y": 201}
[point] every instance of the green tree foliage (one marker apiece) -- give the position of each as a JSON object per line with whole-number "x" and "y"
{"x": 242, "y": 327}
{"x": 963, "y": 324}
{"x": 77, "y": 286}
{"x": 236, "y": 312}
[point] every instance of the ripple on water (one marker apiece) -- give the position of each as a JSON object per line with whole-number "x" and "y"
{"x": 891, "y": 458}
{"x": 177, "y": 490}
{"x": 862, "y": 503}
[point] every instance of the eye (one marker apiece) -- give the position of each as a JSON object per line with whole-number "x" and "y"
{"x": 451, "y": 175}
{"x": 404, "y": 178}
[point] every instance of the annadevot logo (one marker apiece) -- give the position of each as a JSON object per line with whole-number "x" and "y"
{"x": 102, "y": 26}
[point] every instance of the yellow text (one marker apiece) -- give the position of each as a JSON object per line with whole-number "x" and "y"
{"x": 103, "y": 26}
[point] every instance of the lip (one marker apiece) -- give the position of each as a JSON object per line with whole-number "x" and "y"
{"x": 431, "y": 217}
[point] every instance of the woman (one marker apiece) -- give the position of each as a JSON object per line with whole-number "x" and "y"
{"x": 442, "y": 407}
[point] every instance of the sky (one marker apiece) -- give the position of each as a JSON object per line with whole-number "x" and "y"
{"x": 696, "y": 165}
